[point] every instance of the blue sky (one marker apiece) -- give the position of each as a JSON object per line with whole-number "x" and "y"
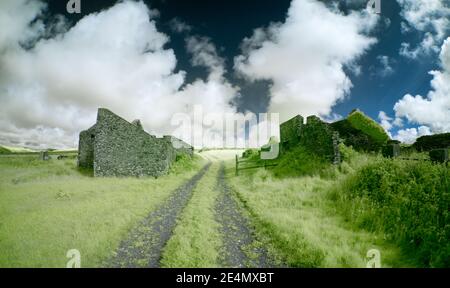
{"x": 373, "y": 91}
{"x": 152, "y": 59}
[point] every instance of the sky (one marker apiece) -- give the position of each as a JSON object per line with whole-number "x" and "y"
{"x": 152, "y": 60}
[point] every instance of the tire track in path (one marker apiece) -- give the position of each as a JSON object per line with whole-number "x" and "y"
{"x": 240, "y": 248}
{"x": 144, "y": 244}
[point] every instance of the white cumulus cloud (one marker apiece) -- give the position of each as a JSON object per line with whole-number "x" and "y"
{"x": 410, "y": 135}
{"x": 429, "y": 17}
{"x": 305, "y": 57}
{"x": 432, "y": 110}
{"x": 385, "y": 121}
{"x": 114, "y": 59}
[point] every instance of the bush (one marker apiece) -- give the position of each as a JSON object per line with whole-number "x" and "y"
{"x": 183, "y": 163}
{"x": 360, "y": 121}
{"x": 250, "y": 153}
{"x": 408, "y": 201}
{"x": 348, "y": 154}
{"x": 298, "y": 162}
{"x": 427, "y": 143}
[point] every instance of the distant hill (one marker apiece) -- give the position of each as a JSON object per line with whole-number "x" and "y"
{"x": 4, "y": 150}
{"x": 9, "y": 149}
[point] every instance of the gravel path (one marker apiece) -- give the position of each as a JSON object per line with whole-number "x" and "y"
{"x": 240, "y": 248}
{"x": 144, "y": 244}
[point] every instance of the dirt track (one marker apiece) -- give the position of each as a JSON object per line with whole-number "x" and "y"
{"x": 144, "y": 244}
{"x": 240, "y": 247}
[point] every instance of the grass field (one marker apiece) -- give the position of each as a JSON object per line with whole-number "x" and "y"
{"x": 331, "y": 217}
{"x": 49, "y": 207}
{"x": 312, "y": 215}
{"x": 296, "y": 219}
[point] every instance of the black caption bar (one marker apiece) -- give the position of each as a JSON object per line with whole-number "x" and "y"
{"x": 267, "y": 277}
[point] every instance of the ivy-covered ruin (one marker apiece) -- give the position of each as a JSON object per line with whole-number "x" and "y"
{"x": 314, "y": 135}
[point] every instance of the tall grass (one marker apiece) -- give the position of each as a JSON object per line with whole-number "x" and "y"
{"x": 407, "y": 201}
{"x": 300, "y": 224}
{"x": 299, "y": 162}
{"x": 312, "y": 213}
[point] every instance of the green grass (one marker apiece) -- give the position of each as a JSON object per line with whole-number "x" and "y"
{"x": 301, "y": 223}
{"x": 407, "y": 201}
{"x": 196, "y": 239}
{"x": 299, "y": 162}
{"x": 307, "y": 213}
{"x": 361, "y": 122}
{"x": 49, "y": 207}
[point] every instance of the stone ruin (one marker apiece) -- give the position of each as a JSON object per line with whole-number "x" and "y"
{"x": 323, "y": 139}
{"x": 391, "y": 149}
{"x": 115, "y": 147}
{"x": 316, "y": 136}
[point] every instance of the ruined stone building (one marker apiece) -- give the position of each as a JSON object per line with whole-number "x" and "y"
{"x": 115, "y": 147}
{"x": 315, "y": 135}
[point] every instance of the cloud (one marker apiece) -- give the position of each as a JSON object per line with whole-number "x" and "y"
{"x": 115, "y": 59}
{"x": 386, "y": 68}
{"x": 427, "y": 46}
{"x": 385, "y": 121}
{"x": 429, "y": 17}
{"x": 434, "y": 109}
{"x": 205, "y": 54}
{"x": 305, "y": 56}
{"x": 179, "y": 26}
{"x": 410, "y": 135}
{"x": 15, "y": 19}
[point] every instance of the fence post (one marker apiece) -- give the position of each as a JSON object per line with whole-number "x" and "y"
{"x": 237, "y": 163}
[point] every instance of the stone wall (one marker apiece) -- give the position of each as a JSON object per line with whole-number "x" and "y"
{"x": 354, "y": 137}
{"x": 290, "y": 132}
{"x": 391, "y": 150}
{"x": 439, "y": 155}
{"x": 86, "y": 151}
{"x": 315, "y": 135}
{"x": 115, "y": 147}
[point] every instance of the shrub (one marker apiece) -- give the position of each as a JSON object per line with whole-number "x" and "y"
{"x": 299, "y": 161}
{"x": 408, "y": 201}
{"x": 250, "y": 153}
{"x": 184, "y": 162}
